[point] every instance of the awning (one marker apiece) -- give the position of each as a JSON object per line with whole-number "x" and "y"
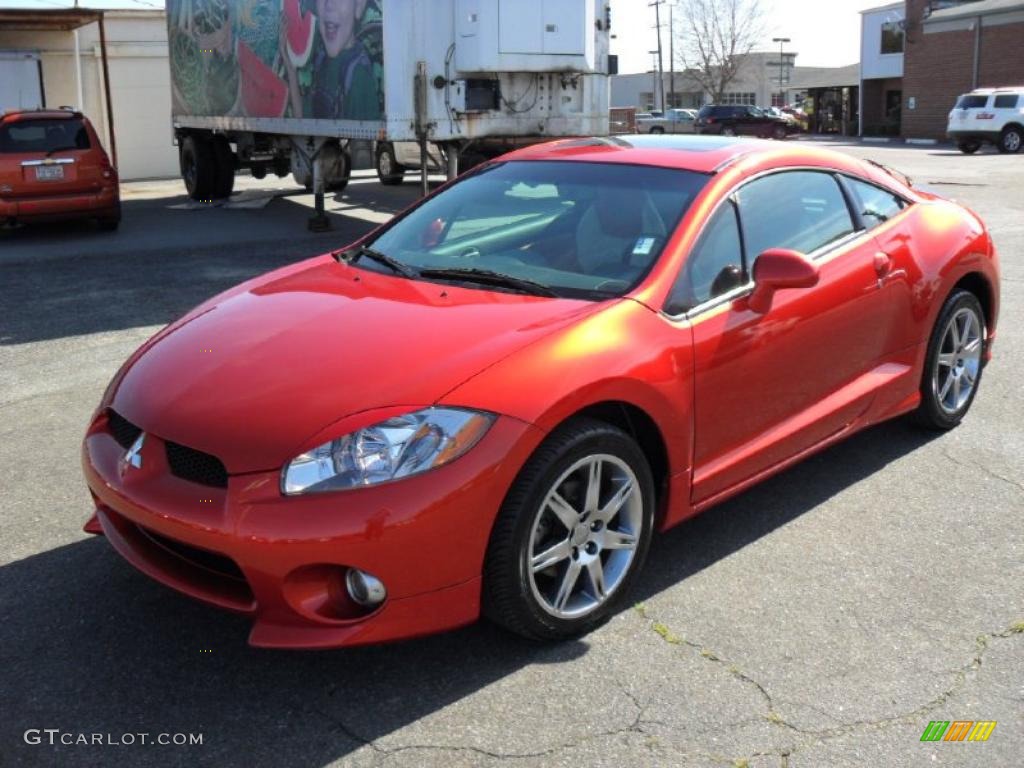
{"x": 64, "y": 20}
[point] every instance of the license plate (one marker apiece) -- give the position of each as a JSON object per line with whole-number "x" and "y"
{"x": 49, "y": 172}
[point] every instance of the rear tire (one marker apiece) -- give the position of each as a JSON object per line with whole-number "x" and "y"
{"x": 558, "y": 567}
{"x": 656, "y": 130}
{"x": 728, "y": 131}
{"x": 1011, "y": 140}
{"x": 969, "y": 147}
{"x": 954, "y": 362}
{"x": 225, "y": 159}
{"x": 109, "y": 223}
{"x": 198, "y": 164}
{"x": 388, "y": 170}
{"x": 779, "y": 133}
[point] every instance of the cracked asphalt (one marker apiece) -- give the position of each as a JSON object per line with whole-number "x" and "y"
{"x": 822, "y": 618}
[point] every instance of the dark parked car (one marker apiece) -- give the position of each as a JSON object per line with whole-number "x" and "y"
{"x": 742, "y": 120}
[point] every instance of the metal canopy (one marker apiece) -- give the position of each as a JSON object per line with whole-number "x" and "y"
{"x": 47, "y": 19}
{"x": 65, "y": 20}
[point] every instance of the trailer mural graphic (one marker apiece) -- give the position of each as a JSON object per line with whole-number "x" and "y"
{"x": 277, "y": 58}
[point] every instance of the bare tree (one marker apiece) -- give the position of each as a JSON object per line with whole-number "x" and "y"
{"x": 713, "y": 39}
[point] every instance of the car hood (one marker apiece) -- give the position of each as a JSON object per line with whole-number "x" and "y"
{"x": 252, "y": 375}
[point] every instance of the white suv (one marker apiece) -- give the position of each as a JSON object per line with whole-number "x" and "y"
{"x": 993, "y": 115}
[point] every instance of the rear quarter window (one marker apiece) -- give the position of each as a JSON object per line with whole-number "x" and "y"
{"x": 971, "y": 102}
{"x": 1006, "y": 101}
{"x": 43, "y": 135}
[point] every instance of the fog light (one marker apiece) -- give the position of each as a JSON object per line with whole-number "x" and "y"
{"x": 365, "y": 589}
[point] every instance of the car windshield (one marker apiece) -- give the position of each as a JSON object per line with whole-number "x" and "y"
{"x": 577, "y": 229}
{"x": 43, "y": 135}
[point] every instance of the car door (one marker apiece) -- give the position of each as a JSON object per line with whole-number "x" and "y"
{"x": 750, "y": 121}
{"x": 768, "y": 386}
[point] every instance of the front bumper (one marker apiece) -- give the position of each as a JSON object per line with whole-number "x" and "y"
{"x": 282, "y": 560}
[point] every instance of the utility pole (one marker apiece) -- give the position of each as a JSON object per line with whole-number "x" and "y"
{"x": 783, "y": 69}
{"x": 671, "y": 58}
{"x": 661, "y": 70}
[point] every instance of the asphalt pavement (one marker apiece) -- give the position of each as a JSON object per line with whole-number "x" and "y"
{"x": 822, "y": 618}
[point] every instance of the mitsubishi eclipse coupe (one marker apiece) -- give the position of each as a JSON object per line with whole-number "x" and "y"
{"x": 490, "y": 404}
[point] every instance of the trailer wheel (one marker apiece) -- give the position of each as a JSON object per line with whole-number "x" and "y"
{"x": 225, "y": 160}
{"x": 344, "y": 164}
{"x": 388, "y": 170}
{"x": 198, "y": 167}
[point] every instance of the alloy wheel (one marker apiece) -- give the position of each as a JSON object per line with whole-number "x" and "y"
{"x": 585, "y": 536}
{"x": 1012, "y": 141}
{"x": 958, "y": 362}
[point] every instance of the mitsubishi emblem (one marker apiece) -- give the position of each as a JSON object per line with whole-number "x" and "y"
{"x": 133, "y": 456}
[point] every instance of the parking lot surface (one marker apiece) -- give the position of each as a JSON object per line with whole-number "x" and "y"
{"x": 822, "y": 618}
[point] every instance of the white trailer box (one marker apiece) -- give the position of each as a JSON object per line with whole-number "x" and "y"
{"x": 276, "y": 80}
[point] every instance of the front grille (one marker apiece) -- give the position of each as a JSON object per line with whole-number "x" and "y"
{"x": 196, "y": 466}
{"x": 184, "y": 462}
{"x": 204, "y": 558}
{"x": 123, "y": 430}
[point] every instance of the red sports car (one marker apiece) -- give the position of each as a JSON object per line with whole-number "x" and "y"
{"x": 492, "y": 402}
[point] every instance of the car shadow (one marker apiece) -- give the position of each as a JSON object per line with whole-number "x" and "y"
{"x": 89, "y": 645}
{"x": 161, "y": 264}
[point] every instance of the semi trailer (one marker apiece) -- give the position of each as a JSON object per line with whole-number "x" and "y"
{"x": 287, "y": 86}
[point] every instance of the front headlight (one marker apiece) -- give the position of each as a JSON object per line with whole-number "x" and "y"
{"x": 398, "y": 447}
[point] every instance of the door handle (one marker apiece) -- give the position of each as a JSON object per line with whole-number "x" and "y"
{"x": 883, "y": 264}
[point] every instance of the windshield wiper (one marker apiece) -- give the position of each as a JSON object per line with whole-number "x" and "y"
{"x": 875, "y": 214}
{"x": 381, "y": 258}
{"x": 487, "y": 277}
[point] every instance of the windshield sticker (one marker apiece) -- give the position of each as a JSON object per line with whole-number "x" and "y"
{"x": 643, "y": 246}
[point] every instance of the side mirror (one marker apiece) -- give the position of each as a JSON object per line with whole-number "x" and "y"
{"x": 778, "y": 268}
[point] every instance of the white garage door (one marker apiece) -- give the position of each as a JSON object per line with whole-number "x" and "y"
{"x": 141, "y": 94}
{"x": 19, "y": 80}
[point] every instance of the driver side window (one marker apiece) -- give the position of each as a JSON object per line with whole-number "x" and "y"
{"x": 714, "y": 267}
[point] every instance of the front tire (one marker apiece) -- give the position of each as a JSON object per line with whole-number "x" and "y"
{"x": 572, "y": 534}
{"x": 969, "y": 147}
{"x": 779, "y": 133}
{"x": 728, "y": 131}
{"x": 1011, "y": 140}
{"x": 953, "y": 366}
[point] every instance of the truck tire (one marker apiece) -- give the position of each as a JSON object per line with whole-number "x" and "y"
{"x": 339, "y": 182}
{"x": 198, "y": 163}
{"x": 657, "y": 130}
{"x": 225, "y": 159}
{"x": 388, "y": 170}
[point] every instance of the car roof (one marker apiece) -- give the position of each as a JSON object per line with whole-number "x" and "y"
{"x": 990, "y": 91}
{"x": 702, "y": 154}
{"x": 17, "y": 115}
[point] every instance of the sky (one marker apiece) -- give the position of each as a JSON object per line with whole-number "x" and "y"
{"x": 825, "y": 33}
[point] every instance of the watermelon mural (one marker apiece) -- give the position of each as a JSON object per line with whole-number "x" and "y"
{"x": 320, "y": 59}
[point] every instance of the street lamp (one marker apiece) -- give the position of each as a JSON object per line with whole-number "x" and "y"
{"x": 782, "y": 68}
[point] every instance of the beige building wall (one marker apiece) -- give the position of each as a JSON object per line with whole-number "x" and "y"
{"x": 139, "y": 82}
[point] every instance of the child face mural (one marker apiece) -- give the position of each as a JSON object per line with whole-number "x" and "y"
{"x": 337, "y": 23}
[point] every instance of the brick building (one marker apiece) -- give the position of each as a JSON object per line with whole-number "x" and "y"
{"x": 951, "y": 48}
